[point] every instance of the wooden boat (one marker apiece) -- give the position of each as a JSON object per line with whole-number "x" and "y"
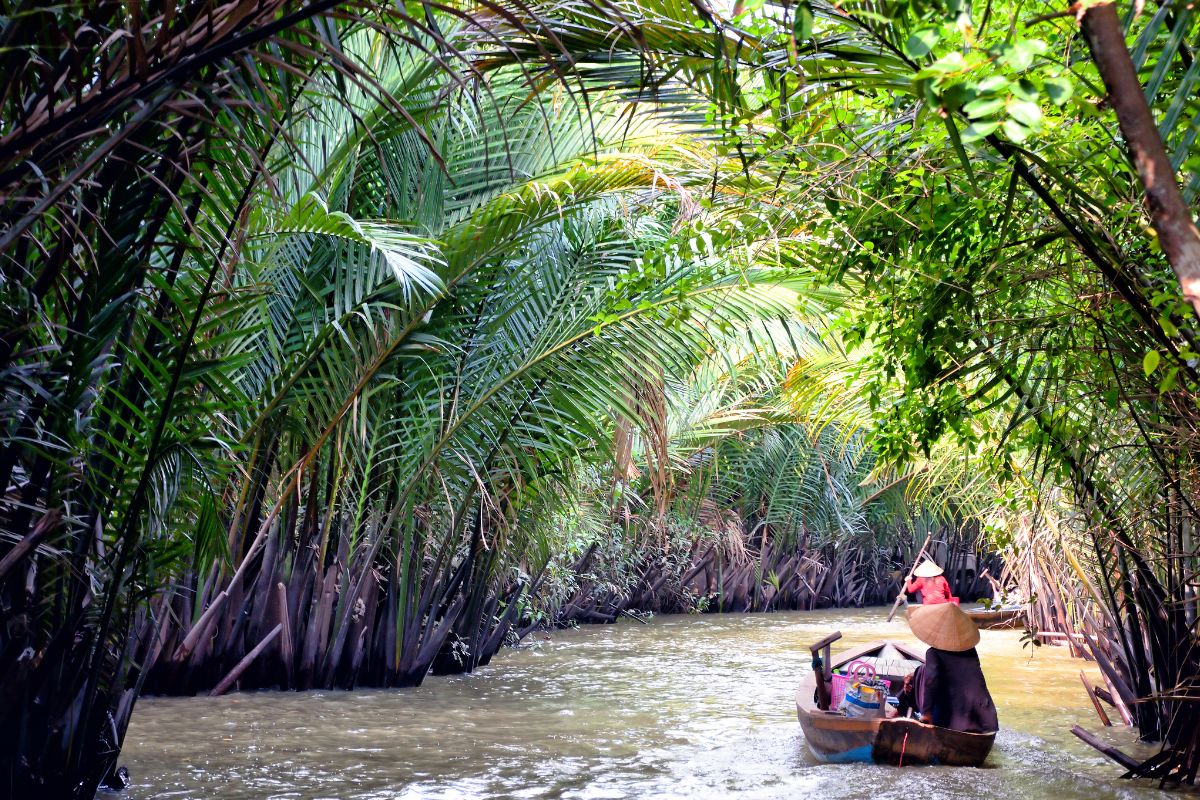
{"x": 1006, "y": 617}
{"x": 836, "y": 738}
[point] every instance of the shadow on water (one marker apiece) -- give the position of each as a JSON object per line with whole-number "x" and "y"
{"x": 685, "y": 707}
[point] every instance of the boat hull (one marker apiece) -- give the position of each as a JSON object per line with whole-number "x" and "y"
{"x": 906, "y": 741}
{"x": 835, "y": 738}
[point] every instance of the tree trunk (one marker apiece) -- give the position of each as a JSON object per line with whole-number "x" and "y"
{"x": 1172, "y": 220}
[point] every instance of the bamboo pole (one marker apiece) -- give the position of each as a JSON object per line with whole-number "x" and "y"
{"x": 900, "y": 596}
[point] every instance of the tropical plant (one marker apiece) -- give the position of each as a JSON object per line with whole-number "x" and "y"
{"x": 444, "y": 404}
{"x": 319, "y": 321}
{"x": 959, "y": 167}
{"x": 141, "y": 147}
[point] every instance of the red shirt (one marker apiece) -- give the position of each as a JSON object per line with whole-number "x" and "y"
{"x": 933, "y": 590}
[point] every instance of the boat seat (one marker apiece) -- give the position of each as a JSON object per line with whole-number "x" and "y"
{"x": 891, "y": 664}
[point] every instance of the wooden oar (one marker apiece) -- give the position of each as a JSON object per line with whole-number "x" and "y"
{"x": 900, "y": 596}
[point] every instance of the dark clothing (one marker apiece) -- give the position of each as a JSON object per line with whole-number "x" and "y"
{"x": 952, "y": 693}
{"x": 907, "y": 701}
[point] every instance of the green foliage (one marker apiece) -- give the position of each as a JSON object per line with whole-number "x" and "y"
{"x": 431, "y": 303}
{"x": 957, "y": 169}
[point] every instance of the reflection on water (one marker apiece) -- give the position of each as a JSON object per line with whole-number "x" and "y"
{"x": 685, "y": 707}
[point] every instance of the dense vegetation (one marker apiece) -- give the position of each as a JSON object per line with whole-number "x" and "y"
{"x": 341, "y": 339}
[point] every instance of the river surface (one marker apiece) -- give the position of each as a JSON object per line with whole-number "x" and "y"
{"x": 683, "y": 707}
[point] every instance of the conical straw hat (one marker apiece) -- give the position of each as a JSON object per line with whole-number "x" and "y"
{"x": 928, "y": 569}
{"x": 944, "y": 626}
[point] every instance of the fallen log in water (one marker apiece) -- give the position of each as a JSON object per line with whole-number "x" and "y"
{"x": 235, "y": 673}
{"x": 1125, "y": 760}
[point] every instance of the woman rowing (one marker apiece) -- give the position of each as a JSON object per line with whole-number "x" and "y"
{"x": 929, "y": 581}
{"x": 950, "y": 689}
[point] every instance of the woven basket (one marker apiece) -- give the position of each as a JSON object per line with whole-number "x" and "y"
{"x": 855, "y": 671}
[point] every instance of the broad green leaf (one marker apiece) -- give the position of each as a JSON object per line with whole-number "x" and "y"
{"x": 992, "y": 83}
{"x": 1059, "y": 90}
{"x": 979, "y": 129}
{"x": 921, "y": 42}
{"x": 1020, "y": 54}
{"x": 803, "y": 24}
{"x": 1150, "y": 362}
{"x": 983, "y": 107}
{"x": 1015, "y": 131}
{"x": 1028, "y": 114}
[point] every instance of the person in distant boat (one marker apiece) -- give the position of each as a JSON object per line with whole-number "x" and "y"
{"x": 929, "y": 582}
{"x": 951, "y": 690}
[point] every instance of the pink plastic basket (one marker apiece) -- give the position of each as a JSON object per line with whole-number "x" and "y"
{"x": 855, "y": 671}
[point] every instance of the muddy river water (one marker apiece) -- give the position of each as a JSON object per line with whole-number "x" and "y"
{"x": 683, "y": 707}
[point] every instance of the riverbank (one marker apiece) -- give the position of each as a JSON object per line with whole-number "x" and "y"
{"x": 705, "y": 578}
{"x": 685, "y": 706}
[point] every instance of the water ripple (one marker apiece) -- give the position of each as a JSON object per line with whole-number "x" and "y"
{"x": 685, "y": 707}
